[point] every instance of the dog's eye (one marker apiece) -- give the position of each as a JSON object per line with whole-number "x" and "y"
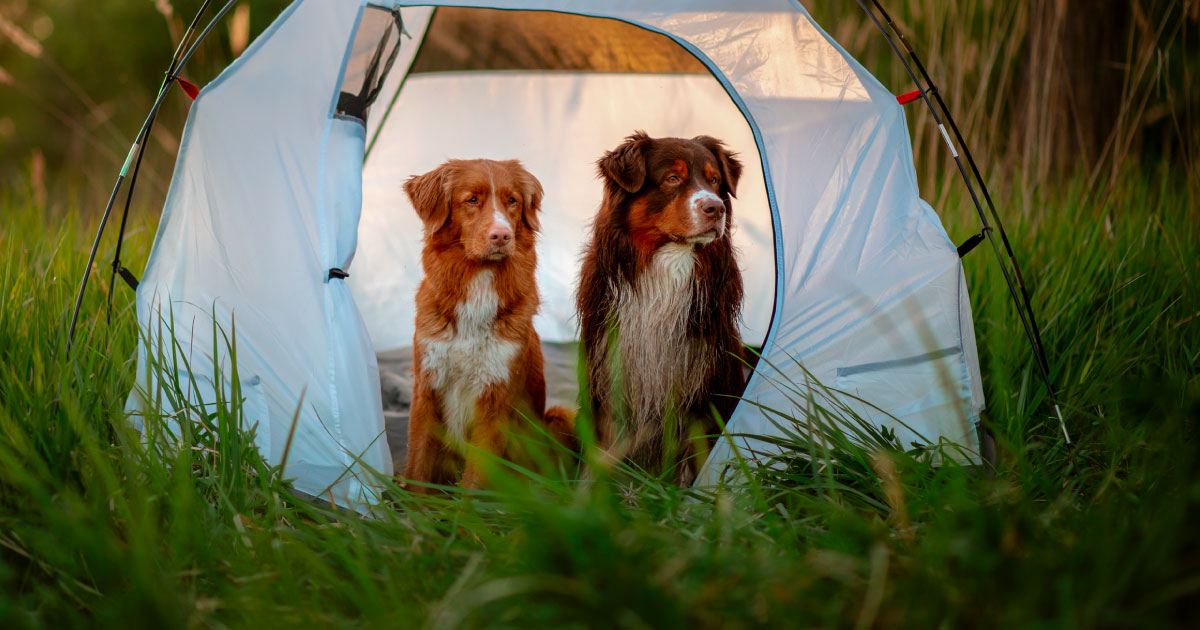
{"x": 473, "y": 200}
{"x": 512, "y": 200}
{"x": 674, "y": 179}
{"x": 714, "y": 181}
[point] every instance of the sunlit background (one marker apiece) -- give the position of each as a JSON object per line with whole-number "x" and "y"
{"x": 1042, "y": 89}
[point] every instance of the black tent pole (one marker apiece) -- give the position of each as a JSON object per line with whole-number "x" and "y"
{"x": 987, "y": 197}
{"x": 138, "y": 140}
{"x": 1024, "y": 307}
{"x": 137, "y": 166}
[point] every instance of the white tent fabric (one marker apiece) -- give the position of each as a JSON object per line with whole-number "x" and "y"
{"x": 868, "y": 293}
{"x": 263, "y": 202}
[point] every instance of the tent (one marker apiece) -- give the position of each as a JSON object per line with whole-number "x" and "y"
{"x": 285, "y": 219}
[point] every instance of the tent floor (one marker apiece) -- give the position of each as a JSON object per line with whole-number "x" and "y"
{"x": 396, "y": 383}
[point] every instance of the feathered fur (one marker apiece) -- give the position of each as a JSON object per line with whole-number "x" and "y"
{"x": 477, "y": 359}
{"x": 659, "y": 302}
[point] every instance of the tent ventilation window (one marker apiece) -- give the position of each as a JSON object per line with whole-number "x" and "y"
{"x": 376, "y": 43}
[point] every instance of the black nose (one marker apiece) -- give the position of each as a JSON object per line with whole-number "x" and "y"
{"x": 713, "y": 207}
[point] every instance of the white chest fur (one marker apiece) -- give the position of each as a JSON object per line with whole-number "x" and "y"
{"x": 659, "y": 366}
{"x": 469, "y": 357}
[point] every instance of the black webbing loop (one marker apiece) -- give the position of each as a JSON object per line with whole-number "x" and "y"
{"x": 338, "y": 274}
{"x": 972, "y": 243}
{"x": 127, "y": 276}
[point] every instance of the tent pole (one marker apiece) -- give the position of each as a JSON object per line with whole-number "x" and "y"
{"x": 92, "y": 257}
{"x": 137, "y": 166}
{"x": 139, "y": 139}
{"x": 978, "y": 178}
{"x": 1021, "y": 301}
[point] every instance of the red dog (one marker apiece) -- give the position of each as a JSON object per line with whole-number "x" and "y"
{"x": 659, "y": 299}
{"x": 476, "y": 356}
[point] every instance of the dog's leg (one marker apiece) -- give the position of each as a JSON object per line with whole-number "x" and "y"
{"x": 595, "y": 394}
{"x": 535, "y": 374}
{"x": 695, "y": 444}
{"x": 487, "y": 441}
{"x": 596, "y": 403}
{"x": 423, "y": 444}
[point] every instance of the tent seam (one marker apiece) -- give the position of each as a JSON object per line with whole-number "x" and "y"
{"x": 322, "y": 223}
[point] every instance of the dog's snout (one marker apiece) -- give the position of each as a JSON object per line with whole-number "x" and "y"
{"x": 712, "y": 207}
{"x": 499, "y": 235}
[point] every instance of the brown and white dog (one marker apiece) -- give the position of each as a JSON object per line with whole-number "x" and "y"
{"x": 476, "y": 357}
{"x": 659, "y": 300}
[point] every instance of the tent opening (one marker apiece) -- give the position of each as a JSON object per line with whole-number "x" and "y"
{"x": 555, "y": 91}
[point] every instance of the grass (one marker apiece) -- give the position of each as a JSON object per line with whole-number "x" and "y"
{"x": 97, "y": 528}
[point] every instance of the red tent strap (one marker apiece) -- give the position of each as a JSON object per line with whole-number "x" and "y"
{"x": 908, "y": 97}
{"x": 189, "y": 88}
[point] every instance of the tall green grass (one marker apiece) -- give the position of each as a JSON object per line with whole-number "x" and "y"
{"x": 98, "y": 528}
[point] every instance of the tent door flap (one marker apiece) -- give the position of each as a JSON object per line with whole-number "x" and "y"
{"x": 376, "y": 43}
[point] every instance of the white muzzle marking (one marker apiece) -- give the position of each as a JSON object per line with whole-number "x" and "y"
{"x": 698, "y": 217}
{"x": 499, "y": 218}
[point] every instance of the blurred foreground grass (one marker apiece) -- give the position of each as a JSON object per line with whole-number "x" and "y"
{"x": 96, "y": 530}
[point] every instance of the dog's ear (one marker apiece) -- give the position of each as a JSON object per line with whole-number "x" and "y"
{"x": 731, "y": 167}
{"x": 626, "y": 165}
{"x": 430, "y": 198}
{"x": 531, "y": 195}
